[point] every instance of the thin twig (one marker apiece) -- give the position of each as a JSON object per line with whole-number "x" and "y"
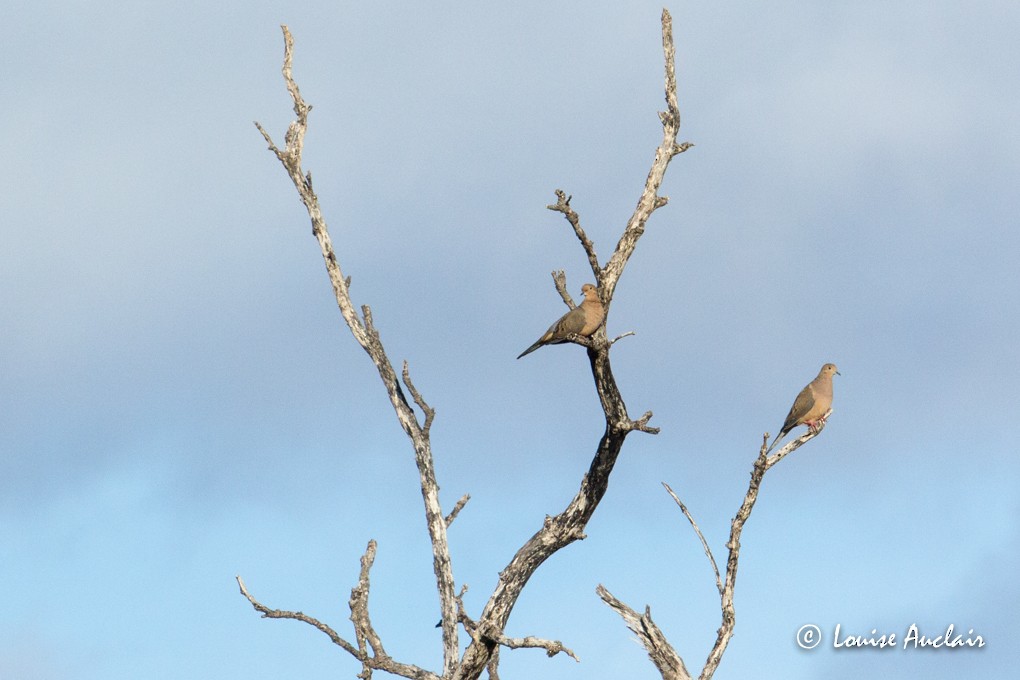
{"x": 701, "y": 537}
{"x": 562, "y": 205}
{"x": 551, "y": 647}
{"x": 456, "y": 509}
{"x": 560, "y": 281}
{"x": 621, "y": 337}
{"x": 268, "y": 613}
{"x": 430, "y": 413}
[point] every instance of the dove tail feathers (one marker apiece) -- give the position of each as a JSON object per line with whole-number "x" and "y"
{"x": 530, "y": 349}
{"x": 782, "y": 433}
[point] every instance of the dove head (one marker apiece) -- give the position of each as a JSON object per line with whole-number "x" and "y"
{"x": 589, "y": 292}
{"x": 828, "y": 369}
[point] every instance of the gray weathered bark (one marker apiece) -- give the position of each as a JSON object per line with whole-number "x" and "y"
{"x": 556, "y": 532}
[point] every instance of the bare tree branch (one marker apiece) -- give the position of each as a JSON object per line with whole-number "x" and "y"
{"x": 621, "y": 337}
{"x": 378, "y": 659}
{"x": 560, "y": 281}
{"x": 493, "y": 666}
{"x": 641, "y": 424}
{"x": 429, "y": 412}
{"x": 662, "y": 654}
{"x": 701, "y": 537}
{"x": 650, "y": 200}
{"x": 551, "y": 647}
{"x": 725, "y": 631}
{"x": 456, "y": 509}
{"x": 364, "y": 632}
{"x": 658, "y": 647}
{"x": 563, "y": 205}
{"x": 368, "y": 337}
{"x": 792, "y": 446}
{"x": 268, "y": 613}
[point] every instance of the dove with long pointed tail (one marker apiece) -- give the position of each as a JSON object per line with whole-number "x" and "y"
{"x": 581, "y": 320}
{"x": 813, "y": 402}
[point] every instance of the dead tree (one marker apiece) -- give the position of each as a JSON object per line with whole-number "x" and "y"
{"x": 487, "y": 631}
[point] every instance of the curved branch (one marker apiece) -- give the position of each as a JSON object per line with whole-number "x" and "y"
{"x": 563, "y": 529}
{"x": 268, "y": 613}
{"x": 701, "y": 537}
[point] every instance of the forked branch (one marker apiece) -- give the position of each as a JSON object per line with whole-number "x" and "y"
{"x": 658, "y": 647}
{"x": 369, "y": 650}
{"x": 568, "y": 526}
{"x": 661, "y": 653}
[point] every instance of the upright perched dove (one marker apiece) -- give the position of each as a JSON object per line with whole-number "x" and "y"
{"x": 581, "y": 320}
{"x": 811, "y": 404}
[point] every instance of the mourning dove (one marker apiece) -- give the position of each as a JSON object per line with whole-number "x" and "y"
{"x": 813, "y": 402}
{"x": 581, "y": 320}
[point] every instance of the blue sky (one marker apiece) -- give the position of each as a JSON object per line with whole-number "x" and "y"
{"x": 181, "y": 403}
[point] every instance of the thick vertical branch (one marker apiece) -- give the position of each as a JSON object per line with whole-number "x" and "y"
{"x": 556, "y": 532}
{"x": 563, "y": 529}
{"x": 368, "y": 337}
{"x": 650, "y": 199}
{"x": 568, "y": 526}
